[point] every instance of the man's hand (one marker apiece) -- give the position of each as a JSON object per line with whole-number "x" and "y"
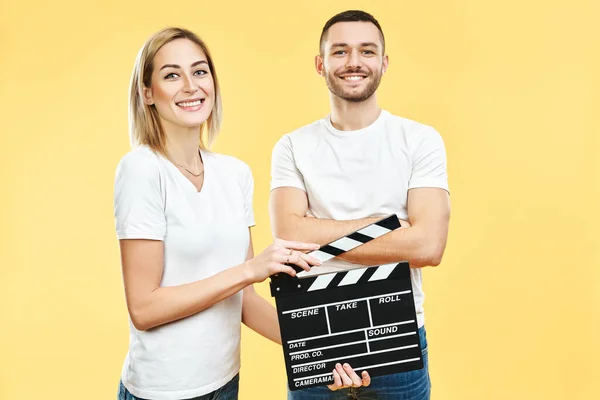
{"x": 345, "y": 377}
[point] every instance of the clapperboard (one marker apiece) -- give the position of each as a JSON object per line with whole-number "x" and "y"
{"x": 365, "y": 317}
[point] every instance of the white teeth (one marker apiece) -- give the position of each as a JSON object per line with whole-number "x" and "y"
{"x": 352, "y": 78}
{"x": 190, "y": 103}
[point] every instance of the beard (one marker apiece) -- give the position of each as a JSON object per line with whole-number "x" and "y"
{"x": 338, "y": 88}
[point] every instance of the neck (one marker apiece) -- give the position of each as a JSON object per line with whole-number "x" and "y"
{"x": 182, "y": 147}
{"x": 350, "y": 116}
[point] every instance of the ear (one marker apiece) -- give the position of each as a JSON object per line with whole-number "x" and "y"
{"x": 147, "y": 96}
{"x": 319, "y": 65}
{"x": 386, "y": 62}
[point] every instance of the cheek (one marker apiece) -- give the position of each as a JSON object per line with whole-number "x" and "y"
{"x": 207, "y": 86}
{"x": 331, "y": 65}
{"x": 331, "y": 70}
{"x": 161, "y": 94}
{"x": 335, "y": 65}
{"x": 376, "y": 67}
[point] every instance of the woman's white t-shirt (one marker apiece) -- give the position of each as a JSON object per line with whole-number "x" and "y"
{"x": 204, "y": 233}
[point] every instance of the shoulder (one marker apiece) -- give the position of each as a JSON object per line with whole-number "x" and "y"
{"x": 305, "y": 137}
{"x": 414, "y": 131}
{"x": 138, "y": 173}
{"x": 408, "y": 125}
{"x": 231, "y": 165}
{"x": 140, "y": 161}
{"x": 140, "y": 158}
{"x": 228, "y": 162}
{"x": 303, "y": 133}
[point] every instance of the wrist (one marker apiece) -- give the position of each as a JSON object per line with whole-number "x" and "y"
{"x": 247, "y": 273}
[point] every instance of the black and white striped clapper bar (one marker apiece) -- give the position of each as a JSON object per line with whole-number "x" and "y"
{"x": 365, "y": 317}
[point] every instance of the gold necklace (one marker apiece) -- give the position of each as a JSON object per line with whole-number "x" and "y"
{"x": 196, "y": 175}
{"x": 190, "y": 172}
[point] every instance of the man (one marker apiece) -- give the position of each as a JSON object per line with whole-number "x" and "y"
{"x": 348, "y": 170}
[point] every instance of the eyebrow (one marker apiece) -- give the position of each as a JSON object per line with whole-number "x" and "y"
{"x": 364, "y": 44}
{"x": 177, "y": 66}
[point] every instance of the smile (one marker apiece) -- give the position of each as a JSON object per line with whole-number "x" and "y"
{"x": 353, "y": 78}
{"x": 191, "y": 105}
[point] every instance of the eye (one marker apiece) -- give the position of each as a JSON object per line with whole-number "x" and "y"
{"x": 340, "y": 52}
{"x": 200, "y": 72}
{"x": 369, "y": 52}
{"x": 172, "y": 75}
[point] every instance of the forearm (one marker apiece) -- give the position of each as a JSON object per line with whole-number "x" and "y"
{"x": 317, "y": 230}
{"x": 171, "y": 303}
{"x": 410, "y": 244}
{"x": 260, "y": 316}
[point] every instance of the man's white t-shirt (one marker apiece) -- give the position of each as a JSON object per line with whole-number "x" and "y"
{"x": 360, "y": 174}
{"x": 204, "y": 233}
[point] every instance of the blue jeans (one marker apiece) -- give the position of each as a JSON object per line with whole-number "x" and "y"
{"x": 229, "y": 391}
{"x": 412, "y": 385}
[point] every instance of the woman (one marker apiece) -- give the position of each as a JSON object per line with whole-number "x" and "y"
{"x": 182, "y": 218}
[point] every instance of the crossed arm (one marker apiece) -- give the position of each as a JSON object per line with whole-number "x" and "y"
{"x": 421, "y": 242}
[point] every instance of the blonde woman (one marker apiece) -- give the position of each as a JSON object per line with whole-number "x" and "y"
{"x": 182, "y": 217}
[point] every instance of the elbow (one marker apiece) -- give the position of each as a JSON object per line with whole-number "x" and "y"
{"x": 140, "y": 321}
{"x": 288, "y": 228}
{"x": 425, "y": 261}
{"x": 434, "y": 260}
{"x": 285, "y": 234}
{"x": 141, "y": 326}
{"x": 434, "y": 256}
{"x": 429, "y": 256}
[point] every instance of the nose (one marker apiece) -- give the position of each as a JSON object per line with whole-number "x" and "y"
{"x": 189, "y": 86}
{"x": 353, "y": 60}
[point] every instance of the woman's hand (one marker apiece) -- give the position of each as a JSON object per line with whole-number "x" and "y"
{"x": 273, "y": 259}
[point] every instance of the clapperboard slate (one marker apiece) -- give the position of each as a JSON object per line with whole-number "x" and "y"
{"x": 365, "y": 317}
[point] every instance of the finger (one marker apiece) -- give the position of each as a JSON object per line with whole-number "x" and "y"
{"x": 337, "y": 381}
{"x": 285, "y": 269}
{"x": 356, "y": 381}
{"x": 345, "y": 378}
{"x": 309, "y": 259}
{"x": 283, "y": 251}
{"x": 404, "y": 224}
{"x": 366, "y": 378}
{"x": 297, "y": 260}
{"x": 299, "y": 245}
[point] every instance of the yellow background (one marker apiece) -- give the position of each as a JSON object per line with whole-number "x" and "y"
{"x": 513, "y": 87}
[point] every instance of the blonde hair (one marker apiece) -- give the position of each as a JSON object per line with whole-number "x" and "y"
{"x": 144, "y": 122}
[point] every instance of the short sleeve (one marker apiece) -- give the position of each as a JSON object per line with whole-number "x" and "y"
{"x": 139, "y": 206}
{"x": 247, "y": 184}
{"x": 284, "y": 171}
{"x": 429, "y": 162}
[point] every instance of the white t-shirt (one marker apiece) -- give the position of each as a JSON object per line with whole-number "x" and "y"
{"x": 204, "y": 233}
{"x": 361, "y": 174}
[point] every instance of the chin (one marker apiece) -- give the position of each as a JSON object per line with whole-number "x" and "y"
{"x": 194, "y": 124}
{"x": 355, "y": 97}
{"x": 193, "y": 121}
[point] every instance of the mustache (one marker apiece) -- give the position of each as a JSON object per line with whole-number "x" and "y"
{"x": 355, "y": 71}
